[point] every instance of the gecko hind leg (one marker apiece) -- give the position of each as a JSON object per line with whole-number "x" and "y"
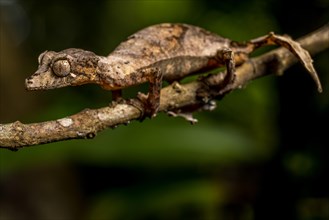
{"x": 217, "y": 89}
{"x": 227, "y": 56}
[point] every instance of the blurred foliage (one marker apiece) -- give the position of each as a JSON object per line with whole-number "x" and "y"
{"x": 262, "y": 139}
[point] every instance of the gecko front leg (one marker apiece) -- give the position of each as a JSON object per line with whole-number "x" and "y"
{"x": 151, "y": 101}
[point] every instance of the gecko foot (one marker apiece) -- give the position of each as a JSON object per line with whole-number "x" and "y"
{"x": 150, "y": 108}
{"x": 139, "y": 105}
{"x": 133, "y": 102}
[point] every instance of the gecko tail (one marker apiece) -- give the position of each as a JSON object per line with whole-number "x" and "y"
{"x": 295, "y": 48}
{"x": 302, "y": 54}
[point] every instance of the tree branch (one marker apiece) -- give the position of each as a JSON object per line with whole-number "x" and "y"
{"x": 175, "y": 97}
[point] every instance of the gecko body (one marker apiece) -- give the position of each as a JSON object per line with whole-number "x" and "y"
{"x": 159, "y": 52}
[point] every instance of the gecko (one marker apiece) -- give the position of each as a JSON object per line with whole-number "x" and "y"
{"x": 168, "y": 51}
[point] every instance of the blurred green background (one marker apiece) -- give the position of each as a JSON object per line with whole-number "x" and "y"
{"x": 262, "y": 154}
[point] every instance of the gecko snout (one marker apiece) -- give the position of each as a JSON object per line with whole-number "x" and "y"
{"x": 30, "y": 84}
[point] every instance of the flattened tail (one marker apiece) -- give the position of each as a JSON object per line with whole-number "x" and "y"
{"x": 294, "y": 47}
{"x": 310, "y": 68}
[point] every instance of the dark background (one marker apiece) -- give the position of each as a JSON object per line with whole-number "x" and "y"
{"x": 262, "y": 154}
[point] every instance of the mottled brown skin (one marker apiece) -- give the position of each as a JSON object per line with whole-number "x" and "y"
{"x": 160, "y": 52}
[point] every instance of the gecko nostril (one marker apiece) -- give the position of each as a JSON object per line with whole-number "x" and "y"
{"x": 29, "y": 82}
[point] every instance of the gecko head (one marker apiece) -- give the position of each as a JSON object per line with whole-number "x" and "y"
{"x": 70, "y": 67}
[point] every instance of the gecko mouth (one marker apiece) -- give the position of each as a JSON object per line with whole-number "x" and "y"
{"x": 29, "y": 85}
{"x": 43, "y": 82}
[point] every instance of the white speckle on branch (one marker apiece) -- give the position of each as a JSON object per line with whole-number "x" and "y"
{"x": 103, "y": 116}
{"x": 65, "y": 122}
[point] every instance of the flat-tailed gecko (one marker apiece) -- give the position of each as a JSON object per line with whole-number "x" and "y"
{"x": 160, "y": 52}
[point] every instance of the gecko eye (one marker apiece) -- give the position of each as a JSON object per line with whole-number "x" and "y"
{"x": 61, "y": 68}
